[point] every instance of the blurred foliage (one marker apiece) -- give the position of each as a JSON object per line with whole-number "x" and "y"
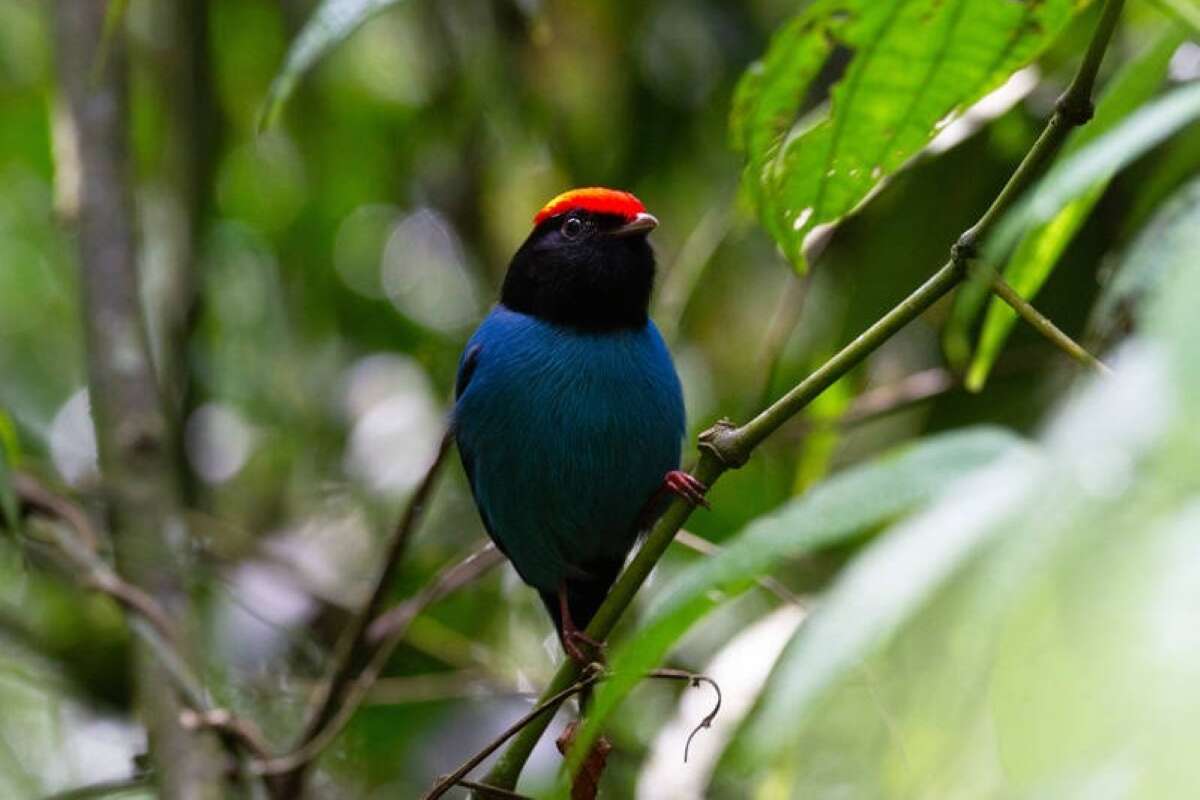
{"x": 1025, "y": 631}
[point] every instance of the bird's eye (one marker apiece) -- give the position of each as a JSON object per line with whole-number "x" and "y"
{"x": 573, "y": 228}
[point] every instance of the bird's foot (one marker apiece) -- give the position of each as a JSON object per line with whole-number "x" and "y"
{"x": 574, "y": 643}
{"x": 684, "y": 485}
{"x": 587, "y": 780}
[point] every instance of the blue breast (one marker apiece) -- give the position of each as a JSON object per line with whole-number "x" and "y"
{"x": 565, "y": 435}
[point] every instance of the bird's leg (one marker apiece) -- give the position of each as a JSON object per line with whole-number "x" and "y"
{"x": 573, "y": 636}
{"x": 685, "y": 485}
{"x": 676, "y": 482}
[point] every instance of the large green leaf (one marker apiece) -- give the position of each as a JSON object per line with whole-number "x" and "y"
{"x": 330, "y": 24}
{"x": 846, "y": 505}
{"x": 914, "y": 63}
{"x": 876, "y": 595}
{"x": 1040, "y": 249}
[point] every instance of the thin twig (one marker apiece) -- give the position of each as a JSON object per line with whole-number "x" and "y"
{"x": 491, "y": 792}
{"x": 95, "y": 573}
{"x": 727, "y": 446}
{"x": 915, "y": 388}
{"x": 919, "y": 387}
{"x": 356, "y": 689}
{"x": 465, "y": 683}
{"x": 548, "y": 705}
{"x": 133, "y": 599}
{"x": 148, "y": 621}
{"x": 35, "y": 495}
{"x": 695, "y": 679}
{"x": 689, "y": 265}
{"x": 224, "y": 722}
{"x": 354, "y": 651}
{"x": 779, "y": 331}
{"x": 1045, "y": 327}
{"x": 105, "y": 788}
{"x": 703, "y": 546}
{"x": 395, "y": 621}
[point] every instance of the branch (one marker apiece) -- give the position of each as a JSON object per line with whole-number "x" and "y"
{"x": 111, "y": 788}
{"x": 80, "y": 550}
{"x": 779, "y": 331}
{"x": 392, "y": 627}
{"x": 148, "y": 621}
{"x": 703, "y": 546}
{"x": 491, "y": 792}
{"x": 35, "y": 495}
{"x": 395, "y": 622}
{"x": 889, "y": 398}
{"x": 353, "y": 661}
{"x": 232, "y": 728}
{"x": 141, "y": 481}
{"x": 547, "y": 705}
{"x": 695, "y": 679}
{"x": 463, "y": 684}
{"x": 727, "y": 446}
{"x": 1045, "y": 327}
{"x": 903, "y": 393}
{"x": 688, "y": 268}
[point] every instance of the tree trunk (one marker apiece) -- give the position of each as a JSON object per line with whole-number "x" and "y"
{"x": 140, "y": 475}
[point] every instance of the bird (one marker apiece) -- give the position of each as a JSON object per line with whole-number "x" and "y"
{"x": 568, "y": 412}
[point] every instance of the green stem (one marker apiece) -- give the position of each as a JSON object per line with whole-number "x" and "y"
{"x": 726, "y": 446}
{"x": 356, "y": 654}
{"x": 1044, "y": 326}
{"x": 736, "y": 448}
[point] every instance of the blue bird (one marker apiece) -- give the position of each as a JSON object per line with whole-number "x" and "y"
{"x": 568, "y": 414}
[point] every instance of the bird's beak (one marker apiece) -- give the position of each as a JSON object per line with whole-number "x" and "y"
{"x": 642, "y": 223}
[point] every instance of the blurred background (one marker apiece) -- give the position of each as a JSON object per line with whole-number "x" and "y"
{"x": 321, "y": 277}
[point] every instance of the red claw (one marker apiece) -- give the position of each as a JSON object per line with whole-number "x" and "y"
{"x": 680, "y": 483}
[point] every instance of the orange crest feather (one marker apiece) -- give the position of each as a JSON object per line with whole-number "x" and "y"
{"x": 595, "y": 199}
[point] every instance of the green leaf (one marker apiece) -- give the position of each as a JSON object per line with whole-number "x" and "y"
{"x": 915, "y": 62}
{"x": 874, "y": 596}
{"x": 835, "y": 511}
{"x": 330, "y": 24}
{"x": 1041, "y": 248}
{"x": 770, "y": 94}
{"x": 1138, "y": 133}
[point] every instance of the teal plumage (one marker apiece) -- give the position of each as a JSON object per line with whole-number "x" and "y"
{"x": 569, "y": 415}
{"x": 566, "y": 435}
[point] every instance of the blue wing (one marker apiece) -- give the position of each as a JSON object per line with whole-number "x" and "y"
{"x": 565, "y": 437}
{"x": 466, "y": 368}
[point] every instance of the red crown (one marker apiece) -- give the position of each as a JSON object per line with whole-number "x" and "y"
{"x": 595, "y": 199}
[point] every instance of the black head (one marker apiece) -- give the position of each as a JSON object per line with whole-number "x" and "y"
{"x": 590, "y": 270}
